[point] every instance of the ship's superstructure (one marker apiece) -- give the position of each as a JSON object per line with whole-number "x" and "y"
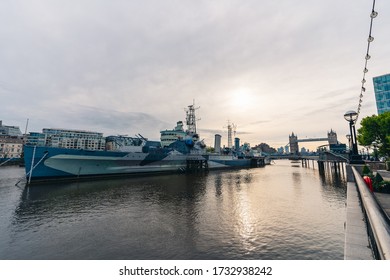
{"x": 191, "y": 119}
{"x": 169, "y": 136}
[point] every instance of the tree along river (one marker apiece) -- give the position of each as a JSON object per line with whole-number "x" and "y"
{"x": 281, "y": 211}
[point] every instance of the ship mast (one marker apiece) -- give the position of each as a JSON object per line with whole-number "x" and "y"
{"x": 191, "y": 119}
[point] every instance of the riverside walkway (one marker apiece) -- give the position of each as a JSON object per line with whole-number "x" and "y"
{"x": 384, "y": 201}
{"x": 384, "y": 198}
{"x": 367, "y": 224}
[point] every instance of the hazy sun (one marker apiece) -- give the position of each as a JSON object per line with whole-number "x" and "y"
{"x": 242, "y": 98}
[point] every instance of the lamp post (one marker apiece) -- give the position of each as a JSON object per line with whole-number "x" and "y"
{"x": 375, "y": 144}
{"x": 351, "y": 117}
{"x": 368, "y": 153}
{"x": 349, "y": 141}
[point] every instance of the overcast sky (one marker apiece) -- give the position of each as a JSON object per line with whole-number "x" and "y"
{"x": 132, "y": 66}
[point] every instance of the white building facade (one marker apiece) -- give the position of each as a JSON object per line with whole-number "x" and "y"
{"x": 11, "y": 142}
{"x": 10, "y": 147}
{"x": 69, "y": 139}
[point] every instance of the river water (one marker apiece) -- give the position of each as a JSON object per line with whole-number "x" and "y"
{"x": 280, "y": 212}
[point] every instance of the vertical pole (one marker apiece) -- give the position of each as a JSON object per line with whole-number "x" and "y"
{"x": 25, "y": 131}
{"x": 351, "y": 140}
{"x": 355, "y": 150}
{"x": 32, "y": 165}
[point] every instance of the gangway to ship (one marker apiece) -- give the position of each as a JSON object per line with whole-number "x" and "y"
{"x": 196, "y": 163}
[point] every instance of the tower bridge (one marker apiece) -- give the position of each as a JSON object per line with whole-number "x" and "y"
{"x": 312, "y": 140}
{"x": 293, "y": 140}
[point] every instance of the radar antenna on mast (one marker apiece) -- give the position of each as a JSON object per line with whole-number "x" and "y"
{"x": 191, "y": 118}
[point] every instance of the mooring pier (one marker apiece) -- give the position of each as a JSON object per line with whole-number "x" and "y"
{"x": 196, "y": 164}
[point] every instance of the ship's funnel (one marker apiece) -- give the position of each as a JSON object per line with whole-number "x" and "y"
{"x": 237, "y": 143}
{"x": 217, "y": 144}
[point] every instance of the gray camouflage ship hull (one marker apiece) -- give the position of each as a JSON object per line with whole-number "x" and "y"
{"x": 47, "y": 163}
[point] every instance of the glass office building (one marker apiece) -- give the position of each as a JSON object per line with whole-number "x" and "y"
{"x": 382, "y": 93}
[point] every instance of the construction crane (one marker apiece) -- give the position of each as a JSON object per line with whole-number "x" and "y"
{"x": 231, "y": 130}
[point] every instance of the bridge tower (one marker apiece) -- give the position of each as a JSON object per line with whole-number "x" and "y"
{"x": 293, "y": 139}
{"x": 332, "y": 137}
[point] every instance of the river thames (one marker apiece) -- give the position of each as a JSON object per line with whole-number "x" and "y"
{"x": 280, "y": 212}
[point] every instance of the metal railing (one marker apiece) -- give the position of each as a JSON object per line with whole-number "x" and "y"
{"x": 331, "y": 156}
{"x": 8, "y": 160}
{"x": 378, "y": 224}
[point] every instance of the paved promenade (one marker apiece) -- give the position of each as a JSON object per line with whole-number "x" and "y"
{"x": 384, "y": 198}
{"x": 356, "y": 239}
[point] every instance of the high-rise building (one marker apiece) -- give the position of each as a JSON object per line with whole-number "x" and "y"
{"x": 382, "y": 93}
{"x": 9, "y": 130}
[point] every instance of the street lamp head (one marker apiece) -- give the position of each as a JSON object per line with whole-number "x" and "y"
{"x": 350, "y": 116}
{"x": 348, "y": 136}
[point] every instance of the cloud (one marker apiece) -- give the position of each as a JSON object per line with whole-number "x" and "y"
{"x": 259, "y": 122}
{"x": 114, "y": 122}
{"x": 133, "y": 66}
